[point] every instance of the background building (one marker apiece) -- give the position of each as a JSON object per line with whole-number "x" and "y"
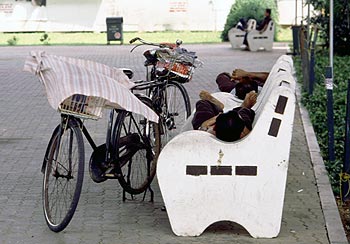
{"x": 138, "y": 15}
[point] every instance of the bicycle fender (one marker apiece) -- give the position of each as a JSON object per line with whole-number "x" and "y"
{"x": 48, "y": 148}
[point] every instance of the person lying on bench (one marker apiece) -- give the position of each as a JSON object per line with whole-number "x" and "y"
{"x": 229, "y": 126}
{"x": 241, "y": 82}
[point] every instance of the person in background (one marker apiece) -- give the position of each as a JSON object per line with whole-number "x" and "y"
{"x": 262, "y": 27}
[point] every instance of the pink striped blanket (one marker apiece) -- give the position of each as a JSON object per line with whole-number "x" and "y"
{"x": 64, "y": 77}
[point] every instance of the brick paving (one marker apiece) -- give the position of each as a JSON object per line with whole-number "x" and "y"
{"x": 26, "y": 124}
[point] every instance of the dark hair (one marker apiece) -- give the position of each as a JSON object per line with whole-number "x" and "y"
{"x": 229, "y": 126}
{"x": 245, "y": 86}
{"x": 268, "y": 10}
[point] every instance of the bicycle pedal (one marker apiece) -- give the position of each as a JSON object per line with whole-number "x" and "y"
{"x": 111, "y": 176}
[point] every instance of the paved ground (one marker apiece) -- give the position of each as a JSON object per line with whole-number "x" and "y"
{"x": 27, "y": 121}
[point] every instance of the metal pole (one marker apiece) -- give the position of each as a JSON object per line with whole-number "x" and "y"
{"x": 312, "y": 69}
{"x": 330, "y": 113}
{"x": 329, "y": 87}
{"x": 302, "y": 12}
{"x": 308, "y": 22}
{"x": 331, "y": 35}
{"x": 296, "y": 12}
{"x": 346, "y": 166}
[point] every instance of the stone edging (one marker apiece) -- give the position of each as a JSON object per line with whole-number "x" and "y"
{"x": 334, "y": 226}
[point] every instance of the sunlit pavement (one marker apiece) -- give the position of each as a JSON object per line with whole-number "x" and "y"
{"x": 26, "y": 124}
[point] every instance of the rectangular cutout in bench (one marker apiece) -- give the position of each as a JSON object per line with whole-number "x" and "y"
{"x": 284, "y": 83}
{"x": 221, "y": 170}
{"x": 281, "y": 104}
{"x": 247, "y": 170}
{"x": 274, "y": 127}
{"x": 196, "y": 170}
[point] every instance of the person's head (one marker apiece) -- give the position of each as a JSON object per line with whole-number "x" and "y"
{"x": 234, "y": 124}
{"x": 267, "y": 12}
{"x": 245, "y": 86}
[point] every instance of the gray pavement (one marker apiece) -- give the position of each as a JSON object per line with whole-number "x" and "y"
{"x": 26, "y": 124}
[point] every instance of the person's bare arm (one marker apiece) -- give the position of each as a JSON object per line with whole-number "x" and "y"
{"x": 208, "y": 123}
{"x": 237, "y": 74}
{"x": 263, "y": 29}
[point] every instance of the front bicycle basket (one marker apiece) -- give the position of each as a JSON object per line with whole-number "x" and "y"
{"x": 85, "y": 107}
{"x": 175, "y": 71}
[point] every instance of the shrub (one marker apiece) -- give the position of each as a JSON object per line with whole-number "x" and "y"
{"x": 248, "y": 9}
{"x": 45, "y": 39}
{"x": 12, "y": 41}
{"x": 317, "y": 104}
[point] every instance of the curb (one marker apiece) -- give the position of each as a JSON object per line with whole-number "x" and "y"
{"x": 334, "y": 226}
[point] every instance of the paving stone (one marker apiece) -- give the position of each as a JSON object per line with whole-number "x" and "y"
{"x": 26, "y": 124}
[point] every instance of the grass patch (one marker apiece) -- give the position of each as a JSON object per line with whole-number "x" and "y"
{"x": 90, "y": 38}
{"x": 284, "y": 34}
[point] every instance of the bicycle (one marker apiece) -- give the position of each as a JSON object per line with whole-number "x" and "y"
{"x": 170, "y": 67}
{"x": 129, "y": 154}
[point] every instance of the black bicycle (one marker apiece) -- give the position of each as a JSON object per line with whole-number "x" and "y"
{"x": 130, "y": 151}
{"x": 130, "y": 155}
{"x": 168, "y": 66}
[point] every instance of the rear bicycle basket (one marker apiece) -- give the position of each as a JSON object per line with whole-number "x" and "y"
{"x": 81, "y": 106}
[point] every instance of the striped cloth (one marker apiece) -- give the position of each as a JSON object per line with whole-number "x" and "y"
{"x": 64, "y": 77}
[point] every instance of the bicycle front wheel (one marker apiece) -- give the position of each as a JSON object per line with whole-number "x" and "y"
{"x": 176, "y": 109}
{"x": 137, "y": 144}
{"x": 63, "y": 175}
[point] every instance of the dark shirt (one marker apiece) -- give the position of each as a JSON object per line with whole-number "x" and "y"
{"x": 264, "y": 23}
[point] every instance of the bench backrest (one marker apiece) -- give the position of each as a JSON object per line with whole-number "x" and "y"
{"x": 251, "y": 24}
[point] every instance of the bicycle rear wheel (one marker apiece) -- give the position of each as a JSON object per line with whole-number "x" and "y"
{"x": 176, "y": 110}
{"x": 137, "y": 143}
{"x": 63, "y": 175}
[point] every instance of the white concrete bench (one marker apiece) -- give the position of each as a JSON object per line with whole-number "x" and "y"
{"x": 263, "y": 40}
{"x": 236, "y": 36}
{"x": 204, "y": 180}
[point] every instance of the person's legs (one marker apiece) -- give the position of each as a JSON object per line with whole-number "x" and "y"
{"x": 245, "y": 40}
{"x": 204, "y": 95}
{"x": 249, "y": 100}
{"x": 225, "y": 84}
{"x": 205, "y": 110}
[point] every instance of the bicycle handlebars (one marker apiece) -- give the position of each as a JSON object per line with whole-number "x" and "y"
{"x": 161, "y": 45}
{"x": 134, "y": 40}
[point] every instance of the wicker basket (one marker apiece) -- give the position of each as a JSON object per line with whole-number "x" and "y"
{"x": 86, "y": 107}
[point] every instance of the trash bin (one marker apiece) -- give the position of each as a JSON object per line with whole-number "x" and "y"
{"x": 114, "y": 29}
{"x": 296, "y": 33}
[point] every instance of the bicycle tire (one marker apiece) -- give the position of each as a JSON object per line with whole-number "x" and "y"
{"x": 136, "y": 150}
{"x": 66, "y": 171}
{"x": 176, "y": 109}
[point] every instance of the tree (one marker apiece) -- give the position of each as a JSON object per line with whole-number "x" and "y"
{"x": 341, "y": 24}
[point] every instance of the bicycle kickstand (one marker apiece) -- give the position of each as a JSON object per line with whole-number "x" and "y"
{"x": 151, "y": 191}
{"x": 124, "y": 196}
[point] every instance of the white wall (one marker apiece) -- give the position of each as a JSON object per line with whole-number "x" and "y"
{"x": 139, "y": 15}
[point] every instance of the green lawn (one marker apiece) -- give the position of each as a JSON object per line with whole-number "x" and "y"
{"x": 89, "y": 38}
{"x": 284, "y": 34}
